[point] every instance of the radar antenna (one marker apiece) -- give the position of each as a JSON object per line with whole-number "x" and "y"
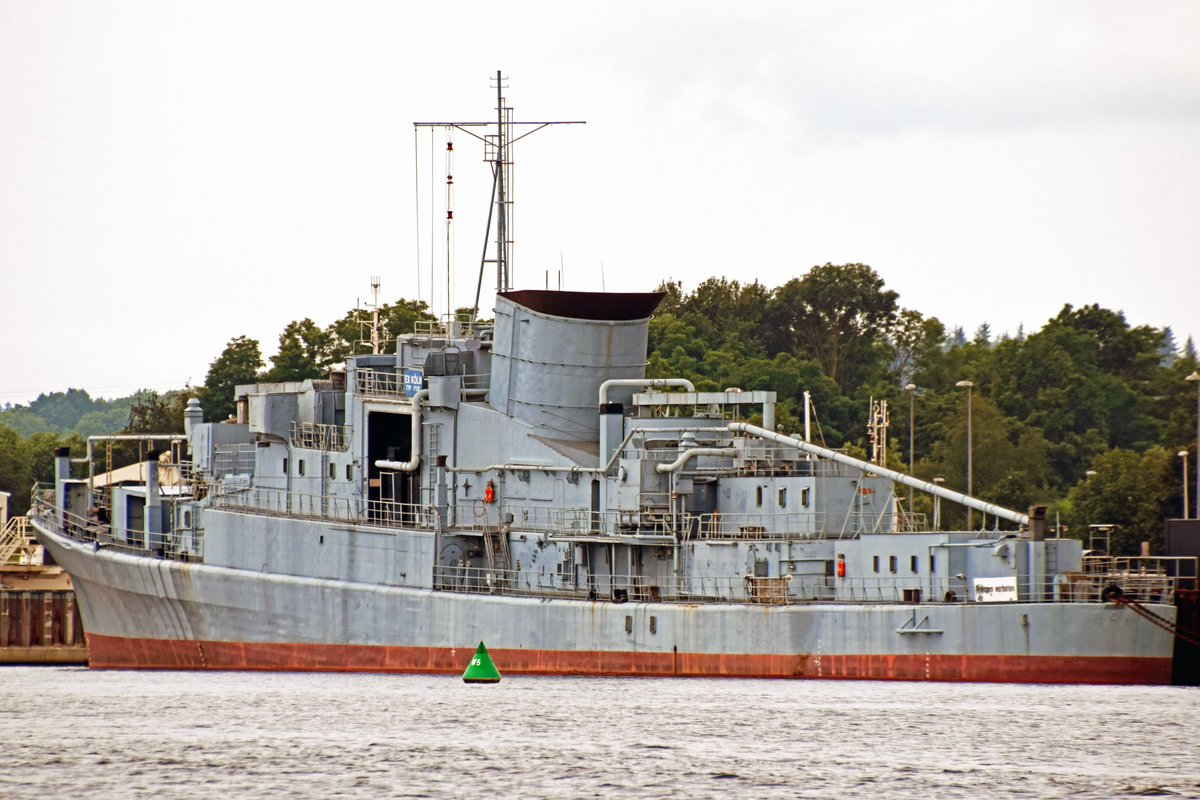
{"x": 379, "y": 331}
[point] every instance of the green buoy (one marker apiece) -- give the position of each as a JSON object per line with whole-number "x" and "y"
{"x": 481, "y": 669}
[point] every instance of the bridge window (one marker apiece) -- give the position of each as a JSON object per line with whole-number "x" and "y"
{"x": 783, "y": 497}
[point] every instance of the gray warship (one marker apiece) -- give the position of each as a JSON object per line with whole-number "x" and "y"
{"x": 523, "y": 483}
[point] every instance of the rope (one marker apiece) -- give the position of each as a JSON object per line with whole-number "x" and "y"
{"x": 1155, "y": 619}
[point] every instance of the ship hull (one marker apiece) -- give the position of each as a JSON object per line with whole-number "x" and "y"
{"x": 142, "y": 612}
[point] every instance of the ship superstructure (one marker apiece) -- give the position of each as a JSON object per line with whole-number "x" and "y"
{"x": 524, "y": 483}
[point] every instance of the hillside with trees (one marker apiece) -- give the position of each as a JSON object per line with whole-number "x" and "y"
{"x": 1085, "y": 415}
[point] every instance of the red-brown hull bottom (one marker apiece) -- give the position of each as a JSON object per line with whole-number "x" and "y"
{"x": 112, "y": 652}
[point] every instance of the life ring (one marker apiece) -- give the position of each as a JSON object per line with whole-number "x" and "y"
{"x": 841, "y": 568}
{"x": 489, "y": 494}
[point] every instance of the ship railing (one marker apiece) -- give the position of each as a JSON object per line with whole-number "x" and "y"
{"x": 911, "y": 522}
{"x": 475, "y": 383}
{"x": 379, "y": 383}
{"x": 618, "y": 588}
{"x": 1071, "y": 587}
{"x": 17, "y": 545}
{"x": 336, "y": 508}
{"x": 176, "y": 544}
{"x": 318, "y": 436}
{"x": 1147, "y": 579}
{"x": 1182, "y": 568}
{"x": 776, "y": 525}
{"x": 558, "y": 522}
{"x": 453, "y": 325}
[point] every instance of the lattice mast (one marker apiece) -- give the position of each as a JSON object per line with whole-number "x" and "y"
{"x": 498, "y": 152}
{"x": 379, "y": 333}
{"x": 877, "y": 425}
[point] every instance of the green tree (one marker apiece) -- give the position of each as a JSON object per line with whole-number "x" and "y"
{"x": 152, "y": 412}
{"x": 351, "y": 334}
{"x": 1009, "y": 461}
{"x": 1134, "y": 491}
{"x": 62, "y": 410}
{"x": 238, "y": 364}
{"x": 838, "y": 315}
{"x": 16, "y": 476}
{"x": 304, "y": 352}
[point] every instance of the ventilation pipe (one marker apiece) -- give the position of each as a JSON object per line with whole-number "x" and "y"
{"x": 193, "y": 415}
{"x": 883, "y": 472}
{"x": 62, "y": 474}
{"x": 418, "y": 400}
{"x": 642, "y": 383}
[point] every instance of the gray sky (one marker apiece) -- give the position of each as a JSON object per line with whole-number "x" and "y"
{"x": 173, "y": 175}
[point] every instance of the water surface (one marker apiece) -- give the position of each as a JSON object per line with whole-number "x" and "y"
{"x": 78, "y": 733}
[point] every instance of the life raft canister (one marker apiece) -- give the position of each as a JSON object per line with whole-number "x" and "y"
{"x": 489, "y": 494}
{"x": 841, "y": 568}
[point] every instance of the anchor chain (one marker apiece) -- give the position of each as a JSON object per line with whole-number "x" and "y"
{"x": 1155, "y": 619}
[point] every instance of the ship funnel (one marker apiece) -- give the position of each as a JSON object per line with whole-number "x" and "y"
{"x": 1037, "y": 523}
{"x": 155, "y": 526}
{"x": 553, "y": 350}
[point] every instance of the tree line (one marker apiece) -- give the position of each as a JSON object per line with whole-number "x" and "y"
{"x": 1085, "y": 415}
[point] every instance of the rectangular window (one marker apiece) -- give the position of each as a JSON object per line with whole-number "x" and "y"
{"x": 914, "y": 565}
{"x": 875, "y": 563}
{"x": 892, "y": 564}
{"x": 349, "y": 473}
{"x": 332, "y": 471}
{"x": 804, "y": 497}
{"x": 783, "y": 497}
{"x": 932, "y": 563}
{"x": 285, "y": 466}
{"x": 300, "y": 466}
{"x": 758, "y": 495}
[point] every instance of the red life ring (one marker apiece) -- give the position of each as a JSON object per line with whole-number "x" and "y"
{"x": 489, "y": 494}
{"x": 841, "y": 568}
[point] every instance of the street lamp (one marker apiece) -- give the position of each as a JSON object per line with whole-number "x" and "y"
{"x": 1183, "y": 454}
{"x": 1195, "y": 378}
{"x": 912, "y": 391}
{"x": 968, "y": 386}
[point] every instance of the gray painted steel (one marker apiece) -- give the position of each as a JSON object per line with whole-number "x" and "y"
{"x": 484, "y": 500}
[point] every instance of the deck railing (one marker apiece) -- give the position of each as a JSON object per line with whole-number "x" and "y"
{"x": 616, "y": 588}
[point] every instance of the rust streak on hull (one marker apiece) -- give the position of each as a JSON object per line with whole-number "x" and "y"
{"x": 111, "y": 652}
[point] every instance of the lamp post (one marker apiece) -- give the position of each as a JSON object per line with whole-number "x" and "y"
{"x": 912, "y": 391}
{"x": 1195, "y": 378}
{"x": 968, "y": 386}
{"x": 1183, "y": 454}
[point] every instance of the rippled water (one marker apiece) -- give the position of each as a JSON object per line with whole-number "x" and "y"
{"x": 75, "y": 733}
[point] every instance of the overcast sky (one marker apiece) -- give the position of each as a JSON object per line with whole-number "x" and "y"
{"x": 174, "y": 175}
